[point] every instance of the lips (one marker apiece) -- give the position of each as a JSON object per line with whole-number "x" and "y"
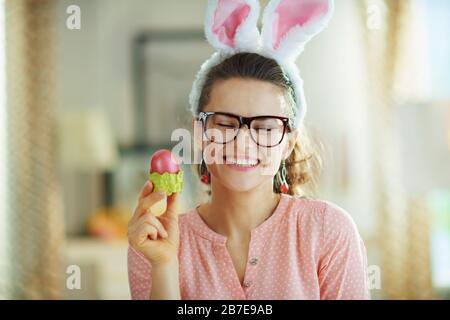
{"x": 241, "y": 163}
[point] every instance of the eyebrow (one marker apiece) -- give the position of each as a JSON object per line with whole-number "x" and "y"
{"x": 238, "y": 115}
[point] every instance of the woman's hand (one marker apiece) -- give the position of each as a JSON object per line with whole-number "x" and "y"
{"x": 157, "y": 238}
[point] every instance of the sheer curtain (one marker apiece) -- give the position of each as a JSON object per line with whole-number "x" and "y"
{"x": 34, "y": 212}
{"x": 3, "y": 165}
{"x": 398, "y": 70}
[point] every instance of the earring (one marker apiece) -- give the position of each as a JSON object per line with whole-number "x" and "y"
{"x": 284, "y": 187}
{"x": 204, "y": 174}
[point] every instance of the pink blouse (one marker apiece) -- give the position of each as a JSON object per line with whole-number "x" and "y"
{"x": 307, "y": 249}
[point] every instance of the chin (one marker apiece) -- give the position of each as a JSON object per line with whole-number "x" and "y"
{"x": 239, "y": 183}
{"x": 240, "y": 188}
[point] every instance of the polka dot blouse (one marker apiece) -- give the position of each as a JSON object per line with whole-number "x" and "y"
{"x": 307, "y": 249}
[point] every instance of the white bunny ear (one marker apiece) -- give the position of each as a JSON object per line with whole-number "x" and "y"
{"x": 289, "y": 24}
{"x": 231, "y": 25}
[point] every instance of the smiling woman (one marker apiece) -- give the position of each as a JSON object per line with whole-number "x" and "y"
{"x": 251, "y": 105}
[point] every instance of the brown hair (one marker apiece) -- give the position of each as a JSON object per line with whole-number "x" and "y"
{"x": 304, "y": 163}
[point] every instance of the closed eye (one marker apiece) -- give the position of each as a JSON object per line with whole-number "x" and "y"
{"x": 265, "y": 129}
{"x": 225, "y": 125}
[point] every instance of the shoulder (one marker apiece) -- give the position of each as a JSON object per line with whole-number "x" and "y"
{"x": 322, "y": 213}
{"x": 338, "y": 221}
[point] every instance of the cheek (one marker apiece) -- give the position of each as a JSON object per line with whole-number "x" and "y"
{"x": 271, "y": 160}
{"x": 213, "y": 153}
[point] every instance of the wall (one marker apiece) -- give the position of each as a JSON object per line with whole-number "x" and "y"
{"x": 95, "y": 69}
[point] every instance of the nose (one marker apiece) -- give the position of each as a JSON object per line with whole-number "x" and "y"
{"x": 244, "y": 142}
{"x": 243, "y": 134}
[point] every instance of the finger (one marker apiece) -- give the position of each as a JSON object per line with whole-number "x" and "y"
{"x": 151, "y": 199}
{"x": 155, "y": 222}
{"x": 146, "y": 203}
{"x": 146, "y": 189}
{"x": 146, "y": 231}
{"x": 138, "y": 237}
{"x": 133, "y": 226}
{"x": 172, "y": 206}
{"x": 152, "y": 220}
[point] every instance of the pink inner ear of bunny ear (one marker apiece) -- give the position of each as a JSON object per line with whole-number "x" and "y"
{"x": 292, "y": 13}
{"x": 228, "y": 17}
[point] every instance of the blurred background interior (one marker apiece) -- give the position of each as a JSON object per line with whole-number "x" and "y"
{"x": 82, "y": 109}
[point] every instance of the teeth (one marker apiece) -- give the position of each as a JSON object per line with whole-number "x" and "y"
{"x": 242, "y": 162}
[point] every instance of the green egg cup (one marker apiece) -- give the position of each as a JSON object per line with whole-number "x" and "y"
{"x": 167, "y": 182}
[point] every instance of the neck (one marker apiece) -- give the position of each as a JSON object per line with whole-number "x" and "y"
{"x": 236, "y": 214}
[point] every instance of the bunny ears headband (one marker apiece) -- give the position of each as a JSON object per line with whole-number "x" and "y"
{"x": 231, "y": 28}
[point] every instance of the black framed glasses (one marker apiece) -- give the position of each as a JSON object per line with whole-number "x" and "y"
{"x": 223, "y": 127}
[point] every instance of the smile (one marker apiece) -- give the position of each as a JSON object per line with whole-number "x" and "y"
{"x": 241, "y": 164}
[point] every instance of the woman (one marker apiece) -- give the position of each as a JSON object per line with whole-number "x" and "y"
{"x": 256, "y": 237}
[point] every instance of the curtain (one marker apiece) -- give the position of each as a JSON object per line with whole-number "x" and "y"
{"x": 397, "y": 75}
{"x": 35, "y": 219}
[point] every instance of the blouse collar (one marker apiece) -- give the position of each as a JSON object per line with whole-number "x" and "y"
{"x": 202, "y": 229}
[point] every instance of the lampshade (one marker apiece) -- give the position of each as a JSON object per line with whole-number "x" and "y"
{"x": 87, "y": 141}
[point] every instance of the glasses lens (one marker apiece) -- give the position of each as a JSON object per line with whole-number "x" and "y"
{"x": 221, "y": 128}
{"x": 267, "y": 132}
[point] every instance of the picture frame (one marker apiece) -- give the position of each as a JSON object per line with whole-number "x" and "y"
{"x": 164, "y": 67}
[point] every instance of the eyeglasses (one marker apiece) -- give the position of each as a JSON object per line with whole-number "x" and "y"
{"x": 222, "y": 128}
